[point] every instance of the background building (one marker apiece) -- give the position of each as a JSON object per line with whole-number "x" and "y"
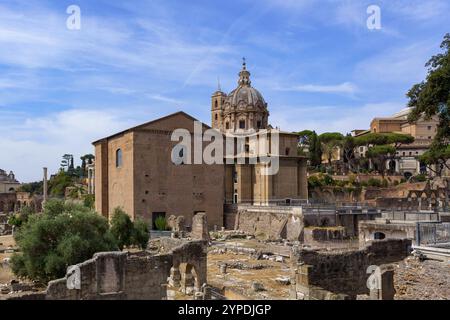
{"x": 406, "y": 161}
{"x": 8, "y": 182}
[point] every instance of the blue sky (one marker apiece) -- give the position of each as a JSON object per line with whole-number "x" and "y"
{"x": 315, "y": 62}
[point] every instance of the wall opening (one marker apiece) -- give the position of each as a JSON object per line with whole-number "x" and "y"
{"x": 379, "y": 236}
{"x": 155, "y": 216}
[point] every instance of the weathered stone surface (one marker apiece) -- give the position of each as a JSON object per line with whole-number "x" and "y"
{"x": 200, "y": 227}
{"x": 177, "y": 223}
{"x": 271, "y": 223}
{"x": 343, "y": 272}
{"x": 138, "y": 276}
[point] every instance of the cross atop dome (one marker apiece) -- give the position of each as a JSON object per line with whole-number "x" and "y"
{"x": 244, "y": 75}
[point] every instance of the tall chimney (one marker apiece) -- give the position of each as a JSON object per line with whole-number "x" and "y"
{"x": 45, "y": 187}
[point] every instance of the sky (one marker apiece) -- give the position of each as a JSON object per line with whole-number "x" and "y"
{"x": 316, "y": 63}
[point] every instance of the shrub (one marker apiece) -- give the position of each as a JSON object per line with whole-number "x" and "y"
{"x": 140, "y": 234}
{"x": 161, "y": 223}
{"x": 420, "y": 178}
{"x": 385, "y": 183}
{"x": 64, "y": 235}
{"x": 372, "y": 182}
{"x": 314, "y": 181}
{"x": 328, "y": 180}
{"x": 22, "y": 217}
{"x": 121, "y": 228}
{"x": 89, "y": 201}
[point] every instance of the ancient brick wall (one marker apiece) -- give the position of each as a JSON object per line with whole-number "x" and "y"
{"x": 125, "y": 276}
{"x": 343, "y": 272}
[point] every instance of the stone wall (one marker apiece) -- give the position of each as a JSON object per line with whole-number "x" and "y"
{"x": 5, "y": 228}
{"x": 126, "y": 276}
{"x": 316, "y": 235}
{"x": 369, "y": 229}
{"x": 341, "y": 273}
{"x": 430, "y": 195}
{"x": 7, "y": 202}
{"x": 200, "y": 227}
{"x": 271, "y": 223}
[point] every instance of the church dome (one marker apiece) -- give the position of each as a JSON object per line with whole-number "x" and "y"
{"x": 243, "y": 110}
{"x": 245, "y": 97}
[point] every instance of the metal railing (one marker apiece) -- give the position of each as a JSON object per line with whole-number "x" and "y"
{"x": 431, "y": 233}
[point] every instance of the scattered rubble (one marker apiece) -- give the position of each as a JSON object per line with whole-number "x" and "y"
{"x": 246, "y": 266}
{"x": 422, "y": 280}
{"x": 285, "y": 281}
{"x": 258, "y": 287}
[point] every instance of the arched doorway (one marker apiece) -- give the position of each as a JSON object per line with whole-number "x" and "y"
{"x": 189, "y": 279}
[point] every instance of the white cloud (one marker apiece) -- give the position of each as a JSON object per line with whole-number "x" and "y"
{"x": 33, "y": 143}
{"x": 331, "y": 118}
{"x": 346, "y": 88}
{"x": 400, "y": 65}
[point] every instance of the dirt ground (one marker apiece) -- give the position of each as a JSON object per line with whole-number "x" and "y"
{"x": 242, "y": 280}
{"x": 427, "y": 280}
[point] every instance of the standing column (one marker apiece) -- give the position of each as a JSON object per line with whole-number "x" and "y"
{"x": 45, "y": 188}
{"x": 89, "y": 181}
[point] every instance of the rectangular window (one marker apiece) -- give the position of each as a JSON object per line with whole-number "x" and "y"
{"x": 258, "y": 125}
{"x": 242, "y": 124}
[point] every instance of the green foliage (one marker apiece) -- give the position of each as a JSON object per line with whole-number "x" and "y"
{"x": 398, "y": 138}
{"x": 161, "y": 223}
{"x": 331, "y": 137}
{"x": 314, "y": 182}
{"x": 33, "y": 187}
{"x": 59, "y": 183}
{"x": 315, "y": 150}
{"x": 437, "y": 155}
{"x": 420, "y": 178}
{"x": 432, "y": 96}
{"x": 140, "y": 234}
{"x": 305, "y": 136}
{"x": 15, "y": 221}
{"x": 61, "y": 236}
{"x": 321, "y": 180}
{"x": 89, "y": 201}
{"x": 380, "y": 151}
{"x": 54, "y": 207}
{"x": 330, "y": 141}
{"x": 22, "y": 217}
{"x": 372, "y": 182}
{"x": 127, "y": 233}
{"x": 121, "y": 228}
{"x": 379, "y": 155}
{"x": 85, "y": 160}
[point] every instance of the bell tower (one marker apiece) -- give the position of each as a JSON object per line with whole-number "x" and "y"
{"x": 217, "y": 103}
